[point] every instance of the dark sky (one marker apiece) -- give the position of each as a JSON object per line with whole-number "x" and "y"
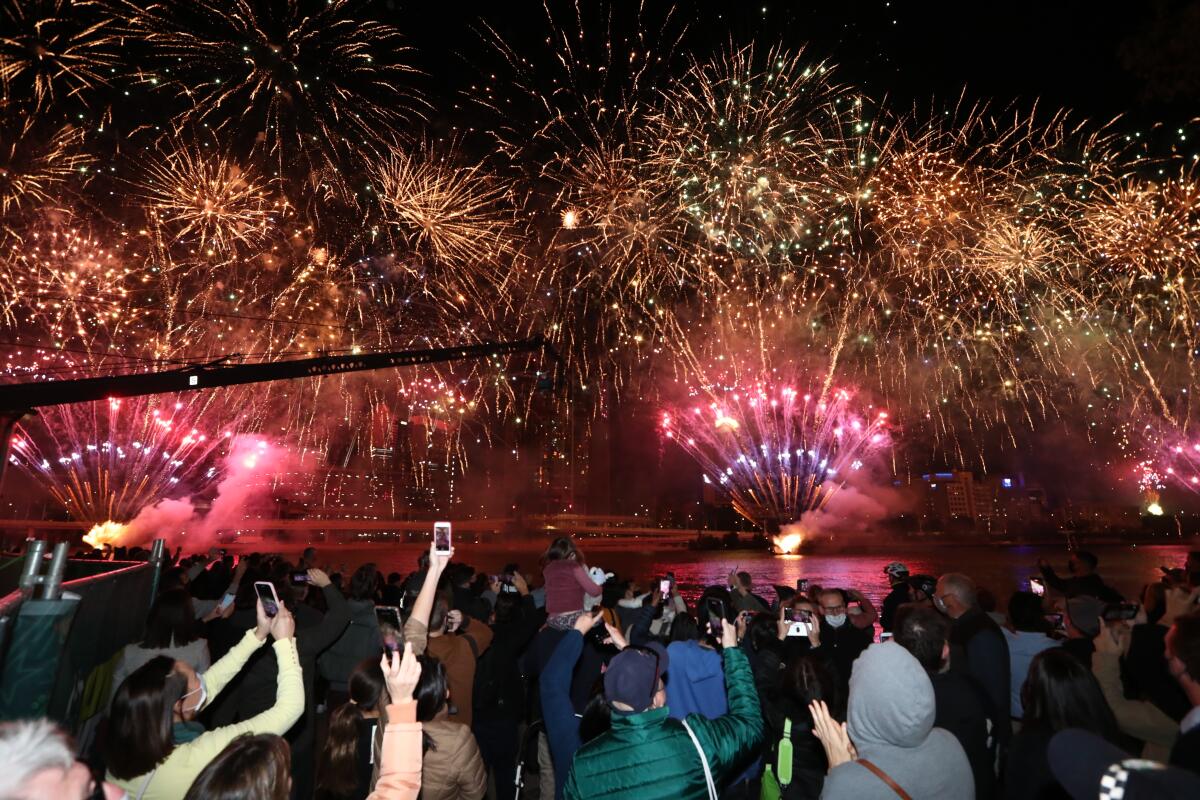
{"x": 1139, "y": 59}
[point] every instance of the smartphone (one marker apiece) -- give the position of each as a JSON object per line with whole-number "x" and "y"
{"x": 885, "y": 635}
{"x": 802, "y": 586}
{"x": 226, "y": 601}
{"x": 664, "y": 588}
{"x": 1037, "y": 587}
{"x": 716, "y": 615}
{"x": 441, "y": 537}
{"x": 388, "y": 615}
{"x": 1056, "y": 621}
{"x": 1120, "y": 611}
{"x": 801, "y": 622}
{"x": 266, "y": 593}
{"x": 789, "y": 615}
{"x": 300, "y": 577}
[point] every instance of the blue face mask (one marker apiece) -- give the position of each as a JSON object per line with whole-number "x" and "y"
{"x": 835, "y": 620}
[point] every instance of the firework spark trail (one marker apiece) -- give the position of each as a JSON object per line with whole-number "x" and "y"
{"x": 52, "y": 50}
{"x": 775, "y": 452}
{"x": 205, "y": 198}
{"x": 35, "y": 165}
{"x": 107, "y": 460}
{"x": 303, "y": 78}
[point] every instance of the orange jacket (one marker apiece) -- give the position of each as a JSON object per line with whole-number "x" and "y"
{"x": 400, "y": 761}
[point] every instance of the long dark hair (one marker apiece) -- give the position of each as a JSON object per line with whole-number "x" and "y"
{"x": 430, "y": 693}
{"x": 251, "y": 767}
{"x": 140, "y": 724}
{"x": 172, "y": 621}
{"x": 363, "y": 582}
{"x": 561, "y": 549}
{"x": 337, "y": 770}
{"x": 1061, "y": 693}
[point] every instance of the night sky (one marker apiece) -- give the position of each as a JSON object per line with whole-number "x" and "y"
{"x": 1100, "y": 59}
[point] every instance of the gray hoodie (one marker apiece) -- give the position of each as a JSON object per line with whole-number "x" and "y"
{"x": 890, "y": 718}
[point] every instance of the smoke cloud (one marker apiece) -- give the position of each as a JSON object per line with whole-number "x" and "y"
{"x": 246, "y": 485}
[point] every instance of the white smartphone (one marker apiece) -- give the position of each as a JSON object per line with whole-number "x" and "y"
{"x": 441, "y": 537}
{"x": 1037, "y": 587}
{"x": 266, "y": 593}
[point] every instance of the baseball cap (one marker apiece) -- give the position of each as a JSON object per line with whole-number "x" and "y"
{"x": 1089, "y": 767}
{"x": 632, "y": 676}
{"x": 896, "y": 570}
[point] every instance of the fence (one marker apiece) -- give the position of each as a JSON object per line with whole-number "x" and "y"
{"x": 56, "y": 651}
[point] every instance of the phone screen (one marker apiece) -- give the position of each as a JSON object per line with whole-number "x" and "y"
{"x": 664, "y": 587}
{"x": 802, "y": 585}
{"x": 266, "y": 593}
{"x": 299, "y": 577}
{"x": 441, "y": 537}
{"x": 1120, "y": 611}
{"x": 388, "y": 615}
{"x": 716, "y": 615}
{"x": 1037, "y": 587}
{"x": 789, "y": 615}
{"x": 226, "y": 601}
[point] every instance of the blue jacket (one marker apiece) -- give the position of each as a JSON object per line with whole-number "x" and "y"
{"x": 558, "y": 713}
{"x": 697, "y": 681}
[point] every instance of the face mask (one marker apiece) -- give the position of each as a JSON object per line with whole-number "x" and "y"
{"x": 203, "y": 696}
{"x": 940, "y": 605}
{"x": 835, "y": 620}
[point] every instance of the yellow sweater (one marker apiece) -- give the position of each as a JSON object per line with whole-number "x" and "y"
{"x": 171, "y": 779}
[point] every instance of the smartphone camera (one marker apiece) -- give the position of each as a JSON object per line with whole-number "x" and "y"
{"x": 441, "y": 537}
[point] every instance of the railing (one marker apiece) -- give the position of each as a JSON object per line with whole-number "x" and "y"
{"x": 56, "y": 650}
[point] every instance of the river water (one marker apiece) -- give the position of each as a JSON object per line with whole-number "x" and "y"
{"x": 1001, "y": 569}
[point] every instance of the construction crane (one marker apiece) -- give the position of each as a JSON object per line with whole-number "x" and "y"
{"x": 18, "y": 400}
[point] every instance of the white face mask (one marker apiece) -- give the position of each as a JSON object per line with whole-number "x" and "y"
{"x": 835, "y": 620}
{"x": 183, "y": 709}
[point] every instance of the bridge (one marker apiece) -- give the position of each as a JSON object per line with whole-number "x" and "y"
{"x": 595, "y": 529}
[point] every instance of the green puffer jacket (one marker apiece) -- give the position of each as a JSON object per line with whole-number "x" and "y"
{"x": 649, "y": 756}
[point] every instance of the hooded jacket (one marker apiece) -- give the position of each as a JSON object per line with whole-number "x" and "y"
{"x": 700, "y": 688}
{"x": 649, "y": 756}
{"x": 359, "y": 640}
{"x": 890, "y": 721}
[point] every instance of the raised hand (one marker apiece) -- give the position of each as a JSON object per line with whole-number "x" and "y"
{"x": 833, "y": 735}
{"x": 318, "y": 578}
{"x": 401, "y": 673}
{"x": 587, "y": 621}
{"x": 283, "y": 625}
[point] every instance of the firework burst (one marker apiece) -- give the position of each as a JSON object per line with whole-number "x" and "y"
{"x": 52, "y": 50}
{"x": 206, "y": 200}
{"x": 775, "y": 452}
{"x": 308, "y": 82}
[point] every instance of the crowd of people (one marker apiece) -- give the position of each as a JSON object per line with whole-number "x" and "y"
{"x": 578, "y": 683}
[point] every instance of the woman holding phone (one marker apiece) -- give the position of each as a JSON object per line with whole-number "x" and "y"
{"x": 154, "y": 749}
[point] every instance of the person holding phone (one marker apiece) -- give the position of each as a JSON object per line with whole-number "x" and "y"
{"x": 154, "y": 762}
{"x": 448, "y": 635}
{"x": 567, "y": 582}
